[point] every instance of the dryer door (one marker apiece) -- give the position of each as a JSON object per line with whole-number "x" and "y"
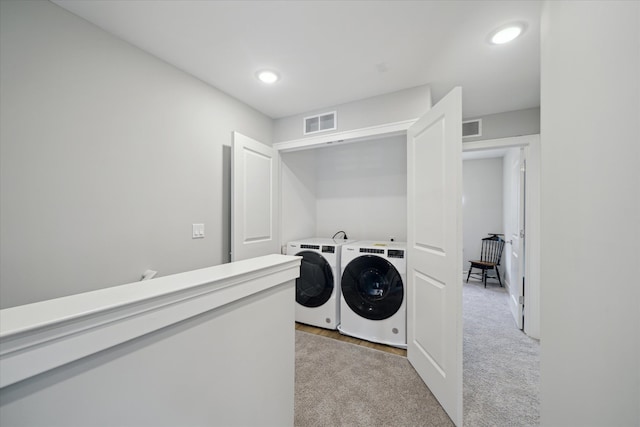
{"x": 315, "y": 284}
{"x": 372, "y": 287}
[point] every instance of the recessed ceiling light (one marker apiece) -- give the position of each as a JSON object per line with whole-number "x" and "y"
{"x": 268, "y": 77}
{"x": 506, "y": 33}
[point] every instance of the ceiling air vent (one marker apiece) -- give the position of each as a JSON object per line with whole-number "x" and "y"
{"x": 319, "y": 123}
{"x": 472, "y": 128}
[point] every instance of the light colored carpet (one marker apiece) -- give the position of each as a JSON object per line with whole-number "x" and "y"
{"x": 501, "y": 365}
{"x": 342, "y": 384}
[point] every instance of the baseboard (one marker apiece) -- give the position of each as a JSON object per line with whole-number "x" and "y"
{"x": 507, "y": 286}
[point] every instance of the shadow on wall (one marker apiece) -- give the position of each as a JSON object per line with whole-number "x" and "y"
{"x": 226, "y": 204}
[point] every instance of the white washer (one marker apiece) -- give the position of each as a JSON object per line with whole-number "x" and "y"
{"x": 318, "y": 287}
{"x": 373, "y": 302}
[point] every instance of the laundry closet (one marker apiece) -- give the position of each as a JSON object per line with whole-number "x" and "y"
{"x": 356, "y": 187}
{"x": 355, "y": 191}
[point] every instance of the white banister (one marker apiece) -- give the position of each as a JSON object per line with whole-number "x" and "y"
{"x": 40, "y": 337}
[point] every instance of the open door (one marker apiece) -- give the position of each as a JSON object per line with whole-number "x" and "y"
{"x": 434, "y": 244}
{"x": 254, "y": 203}
{"x": 516, "y": 273}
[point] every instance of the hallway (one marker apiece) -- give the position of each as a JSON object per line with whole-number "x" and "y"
{"x": 501, "y": 365}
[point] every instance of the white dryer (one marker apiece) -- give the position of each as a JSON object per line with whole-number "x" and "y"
{"x": 318, "y": 287}
{"x": 373, "y": 301}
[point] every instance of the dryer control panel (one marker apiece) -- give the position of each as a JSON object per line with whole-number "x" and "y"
{"x": 372, "y": 251}
{"x": 303, "y": 246}
{"x": 395, "y": 253}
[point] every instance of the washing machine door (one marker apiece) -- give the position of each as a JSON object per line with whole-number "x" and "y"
{"x": 372, "y": 287}
{"x": 315, "y": 284}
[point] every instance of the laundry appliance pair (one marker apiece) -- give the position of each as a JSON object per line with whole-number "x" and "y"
{"x": 357, "y": 287}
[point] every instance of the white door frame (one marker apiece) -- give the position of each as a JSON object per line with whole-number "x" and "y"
{"x": 532, "y": 218}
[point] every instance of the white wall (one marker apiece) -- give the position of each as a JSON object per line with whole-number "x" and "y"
{"x": 362, "y": 189}
{"x": 590, "y": 298}
{"x": 481, "y": 205}
{"x": 397, "y": 106}
{"x": 298, "y": 195}
{"x": 510, "y": 123}
{"x": 108, "y": 156}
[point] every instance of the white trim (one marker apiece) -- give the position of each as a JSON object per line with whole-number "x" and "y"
{"x": 532, "y": 240}
{"x": 37, "y": 337}
{"x": 514, "y": 141}
{"x": 387, "y": 129}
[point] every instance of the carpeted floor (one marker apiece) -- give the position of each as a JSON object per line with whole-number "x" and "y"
{"x": 342, "y": 384}
{"x": 501, "y": 365}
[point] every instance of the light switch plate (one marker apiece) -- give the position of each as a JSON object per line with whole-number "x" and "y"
{"x": 198, "y": 231}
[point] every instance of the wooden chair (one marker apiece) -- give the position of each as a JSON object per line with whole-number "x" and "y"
{"x": 490, "y": 255}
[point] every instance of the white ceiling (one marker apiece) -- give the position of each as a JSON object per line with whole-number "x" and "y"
{"x": 331, "y": 52}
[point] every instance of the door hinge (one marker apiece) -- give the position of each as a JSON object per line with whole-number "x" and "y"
{"x": 521, "y": 299}
{"x": 522, "y": 234}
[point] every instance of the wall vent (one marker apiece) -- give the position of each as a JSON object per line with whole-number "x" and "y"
{"x": 472, "y": 128}
{"x": 320, "y": 123}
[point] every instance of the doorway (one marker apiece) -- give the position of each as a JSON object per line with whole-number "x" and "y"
{"x": 496, "y": 352}
{"x": 493, "y": 203}
{"x": 521, "y": 222}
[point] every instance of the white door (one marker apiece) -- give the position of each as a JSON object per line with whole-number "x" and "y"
{"x": 254, "y": 203}
{"x": 434, "y": 244}
{"x": 516, "y": 249}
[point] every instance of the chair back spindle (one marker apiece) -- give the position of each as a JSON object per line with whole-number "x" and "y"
{"x": 492, "y": 249}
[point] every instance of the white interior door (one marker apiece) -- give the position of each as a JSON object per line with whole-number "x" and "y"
{"x": 434, "y": 244}
{"x": 516, "y": 248}
{"x": 254, "y": 203}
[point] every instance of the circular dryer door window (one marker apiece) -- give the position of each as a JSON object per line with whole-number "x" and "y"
{"x": 372, "y": 287}
{"x": 315, "y": 284}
